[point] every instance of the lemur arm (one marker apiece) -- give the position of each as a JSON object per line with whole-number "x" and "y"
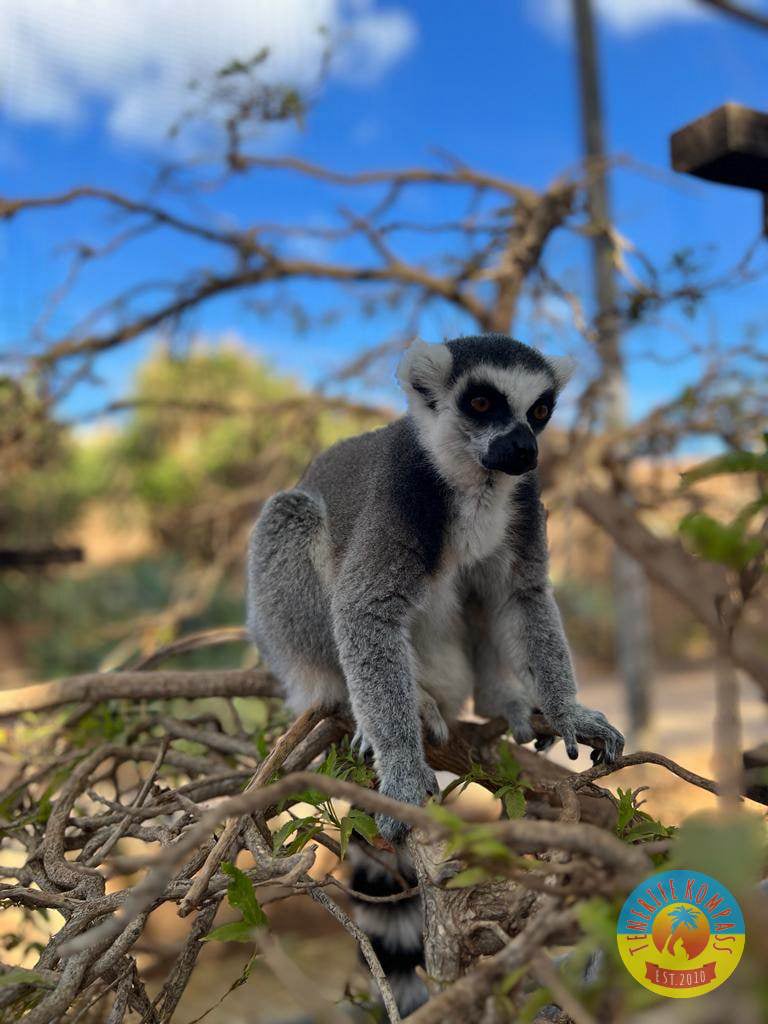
{"x": 536, "y": 644}
{"x": 374, "y": 597}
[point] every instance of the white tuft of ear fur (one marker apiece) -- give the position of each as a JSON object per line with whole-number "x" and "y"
{"x": 424, "y": 369}
{"x": 563, "y": 368}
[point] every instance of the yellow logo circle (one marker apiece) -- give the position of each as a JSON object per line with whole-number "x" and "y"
{"x": 680, "y": 934}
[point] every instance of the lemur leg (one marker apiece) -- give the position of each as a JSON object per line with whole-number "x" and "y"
{"x": 370, "y": 609}
{"x": 435, "y": 726}
{"x": 287, "y": 603}
{"x": 538, "y": 650}
{"x": 497, "y": 692}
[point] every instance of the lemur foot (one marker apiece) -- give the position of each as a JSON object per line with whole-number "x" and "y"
{"x": 577, "y": 724}
{"x": 360, "y": 744}
{"x": 435, "y": 726}
{"x": 410, "y": 783}
{"x": 517, "y": 712}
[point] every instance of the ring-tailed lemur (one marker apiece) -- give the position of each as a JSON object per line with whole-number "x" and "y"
{"x": 407, "y": 571}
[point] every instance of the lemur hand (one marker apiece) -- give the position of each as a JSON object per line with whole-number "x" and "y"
{"x": 409, "y": 781}
{"x": 577, "y": 724}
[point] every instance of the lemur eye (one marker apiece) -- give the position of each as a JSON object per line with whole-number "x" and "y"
{"x": 540, "y": 411}
{"x": 481, "y": 403}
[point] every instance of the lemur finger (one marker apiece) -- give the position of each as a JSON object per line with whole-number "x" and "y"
{"x": 522, "y": 734}
{"x": 430, "y": 783}
{"x": 360, "y": 744}
{"x": 614, "y": 745}
{"x": 571, "y": 744}
{"x": 544, "y": 743}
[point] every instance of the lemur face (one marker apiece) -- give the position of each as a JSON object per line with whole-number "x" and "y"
{"x": 481, "y": 402}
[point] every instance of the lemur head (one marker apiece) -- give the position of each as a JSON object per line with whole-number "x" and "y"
{"x": 480, "y": 402}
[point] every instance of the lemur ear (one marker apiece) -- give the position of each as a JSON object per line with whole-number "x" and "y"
{"x": 423, "y": 371}
{"x": 563, "y": 368}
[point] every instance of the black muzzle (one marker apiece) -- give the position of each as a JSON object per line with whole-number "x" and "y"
{"x": 513, "y": 453}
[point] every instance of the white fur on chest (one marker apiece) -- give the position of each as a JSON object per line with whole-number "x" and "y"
{"x": 483, "y": 516}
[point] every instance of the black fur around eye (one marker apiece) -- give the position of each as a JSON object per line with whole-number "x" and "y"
{"x": 541, "y": 410}
{"x": 483, "y": 403}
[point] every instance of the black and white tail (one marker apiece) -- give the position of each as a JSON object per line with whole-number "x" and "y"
{"x": 394, "y": 928}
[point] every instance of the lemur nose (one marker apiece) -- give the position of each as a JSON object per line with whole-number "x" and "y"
{"x": 513, "y": 453}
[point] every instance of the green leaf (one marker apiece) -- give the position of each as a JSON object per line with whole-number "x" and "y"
{"x": 287, "y": 829}
{"x": 445, "y": 817}
{"x": 356, "y": 821}
{"x": 731, "y": 462}
{"x": 647, "y": 830}
{"x": 304, "y": 835}
{"x": 514, "y": 803}
{"x": 509, "y": 767}
{"x": 233, "y": 931}
{"x": 344, "y": 833}
{"x": 241, "y": 896}
{"x": 262, "y": 746}
{"x": 746, "y": 514}
{"x": 21, "y": 976}
{"x": 466, "y": 878}
{"x": 717, "y": 542}
{"x": 364, "y": 824}
{"x": 626, "y": 810}
{"x": 306, "y": 796}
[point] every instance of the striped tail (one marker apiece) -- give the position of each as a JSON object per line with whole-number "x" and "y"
{"x": 395, "y": 929}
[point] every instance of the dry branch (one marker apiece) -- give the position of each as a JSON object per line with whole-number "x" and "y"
{"x": 137, "y": 685}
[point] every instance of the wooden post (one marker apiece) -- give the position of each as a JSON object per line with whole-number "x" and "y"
{"x": 630, "y": 586}
{"x": 728, "y": 146}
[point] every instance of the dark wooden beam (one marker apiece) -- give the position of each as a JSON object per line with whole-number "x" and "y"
{"x": 38, "y": 558}
{"x": 729, "y": 146}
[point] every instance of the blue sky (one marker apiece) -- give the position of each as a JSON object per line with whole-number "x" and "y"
{"x": 86, "y": 98}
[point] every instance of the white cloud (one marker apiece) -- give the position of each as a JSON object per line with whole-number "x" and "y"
{"x": 59, "y": 58}
{"x": 623, "y": 16}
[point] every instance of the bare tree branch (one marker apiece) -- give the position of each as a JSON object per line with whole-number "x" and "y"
{"x": 747, "y": 15}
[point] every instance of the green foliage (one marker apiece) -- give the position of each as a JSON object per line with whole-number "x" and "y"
{"x": 340, "y": 763}
{"x": 486, "y": 856}
{"x": 720, "y": 542}
{"x": 208, "y": 430}
{"x": 634, "y": 825}
{"x": 66, "y": 623}
{"x": 730, "y": 462}
{"x": 735, "y": 544}
{"x": 502, "y": 779}
{"x": 46, "y": 476}
{"x": 200, "y": 427}
{"x": 240, "y": 896}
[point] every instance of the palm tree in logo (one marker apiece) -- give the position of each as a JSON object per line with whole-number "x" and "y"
{"x": 683, "y": 918}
